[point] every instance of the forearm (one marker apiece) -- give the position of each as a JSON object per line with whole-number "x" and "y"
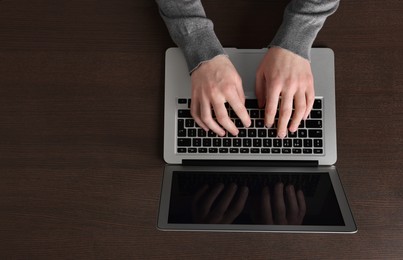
{"x": 301, "y": 23}
{"x": 191, "y": 30}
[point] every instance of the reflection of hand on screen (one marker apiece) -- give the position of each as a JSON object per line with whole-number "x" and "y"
{"x": 220, "y": 204}
{"x": 287, "y": 207}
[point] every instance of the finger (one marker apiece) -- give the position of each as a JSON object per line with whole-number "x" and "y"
{"x": 301, "y": 204}
{"x": 223, "y": 118}
{"x": 208, "y": 120}
{"x": 284, "y": 115}
{"x": 272, "y": 98}
{"x": 240, "y": 92}
{"x": 237, "y": 205}
{"x": 279, "y": 205}
{"x": 199, "y": 212}
{"x": 200, "y": 193}
{"x": 225, "y": 200}
{"x": 210, "y": 197}
{"x": 240, "y": 110}
{"x": 260, "y": 89}
{"x": 267, "y": 215}
{"x": 310, "y": 99}
{"x": 195, "y": 112}
{"x": 299, "y": 111}
{"x": 292, "y": 205}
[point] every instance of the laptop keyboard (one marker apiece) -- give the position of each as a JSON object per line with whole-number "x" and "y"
{"x": 256, "y": 139}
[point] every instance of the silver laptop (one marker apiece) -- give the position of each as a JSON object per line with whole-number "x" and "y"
{"x": 253, "y": 181}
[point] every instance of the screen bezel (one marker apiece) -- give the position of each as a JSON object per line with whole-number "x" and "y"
{"x": 162, "y": 222}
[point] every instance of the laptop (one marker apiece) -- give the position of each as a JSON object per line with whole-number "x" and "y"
{"x": 253, "y": 182}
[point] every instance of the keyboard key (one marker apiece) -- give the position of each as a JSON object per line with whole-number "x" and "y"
{"x": 315, "y": 133}
{"x": 237, "y": 142}
{"x": 196, "y": 142}
{"x": 216, "y": 142}
{"x": 277, "y": 143}
{"x": 213, "y": 150}
{"x": 266, "y": 142}
{"x": 206, "y": 142}
{"x": 181, "y": 133}
{"x": 201, "y": 133}
{"x": 297, "y": 150}
{"x": 297, "y": 142}
{"x": 244, "y": 150}
{"x": 259, "y": 123}
{"x": 286, "y": 150}
{"x": 254, "y": 113}
{"x": 184, "y": 142}
{"x": 307, "y": 151}
{"x": 202, "y": 150}
{"x": 316, "y": 114}
{"x": 275, "y": 150}
{"x": 317, "y": 104}
{"x": 247, "y": 142}
{"x": 302, "y": 133}
{"x": 182, "y": 101}
{"x": 242, "y": 133}
{"x": 317, "y": 151}
{"x": 287, "y": 142}
{"x": 189, "y": 122}
{"x": 211, "y": 134}
{"x": 252, "y": 133}
{"x": 307, "y": 142}
{"x": 271, "y": 133}
{"x": 254, "y": 150}
{"x": 183, "y": 113}
{"x": 317, "y": 142}
{"x": 181, "y": 150}
{"x": 261, "y": 132}
{"x": 234, "y": 150}
{"x": 257, "y": 142}
{"x": 192, "y": 150}
{"x": 226, "y": 142}
{"x": 265, "y": 150}
{"x": 313, "y": 123}
{"x": 238, "y": 123}
{"x": 223, "y": 150}
{"x": 292, "y": 135}
{"x": 192, "y": 132}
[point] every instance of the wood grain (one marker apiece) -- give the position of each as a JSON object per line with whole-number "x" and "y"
{"x": 81, "y": 117}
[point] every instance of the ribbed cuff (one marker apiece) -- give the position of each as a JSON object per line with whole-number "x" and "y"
{"x": 200, "y": 46}
{"x": 295, "y": 37}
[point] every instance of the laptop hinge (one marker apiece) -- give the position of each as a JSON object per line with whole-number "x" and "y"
{"x": 255, "y": 163}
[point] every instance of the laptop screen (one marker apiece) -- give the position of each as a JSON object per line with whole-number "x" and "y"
{"x": 253, "y": 198}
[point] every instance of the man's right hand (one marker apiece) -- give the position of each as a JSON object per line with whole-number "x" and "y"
{"x": 214, "y": 83}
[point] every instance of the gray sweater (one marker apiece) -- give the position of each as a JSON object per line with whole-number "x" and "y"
{"x": 193, "y": 32}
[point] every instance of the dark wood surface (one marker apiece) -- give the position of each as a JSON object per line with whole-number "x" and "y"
{"x": 81, "y": 125}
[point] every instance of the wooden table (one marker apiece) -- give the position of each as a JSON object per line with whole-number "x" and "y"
{"x": 81, "y": 130}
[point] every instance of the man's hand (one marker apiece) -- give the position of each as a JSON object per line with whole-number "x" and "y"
{"x": 214, "y": 83}
{"x": 286, "y": 74}
{"x": 286, "y": 207}
{"x": 219, "y": 204}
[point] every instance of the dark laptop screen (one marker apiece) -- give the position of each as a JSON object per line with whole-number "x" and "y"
{"x": 253, "y": 198}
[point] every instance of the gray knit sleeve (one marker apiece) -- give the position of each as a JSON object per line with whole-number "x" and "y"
{"x": 301, "y": 23}
{"x": 191, "y": 30}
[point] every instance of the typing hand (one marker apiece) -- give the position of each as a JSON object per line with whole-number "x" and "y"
{"x": 283, "y": 73}
{"x": 214, "y": 83}
{"x": 280, "y": 210}
{"x": 220, "y": 204}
